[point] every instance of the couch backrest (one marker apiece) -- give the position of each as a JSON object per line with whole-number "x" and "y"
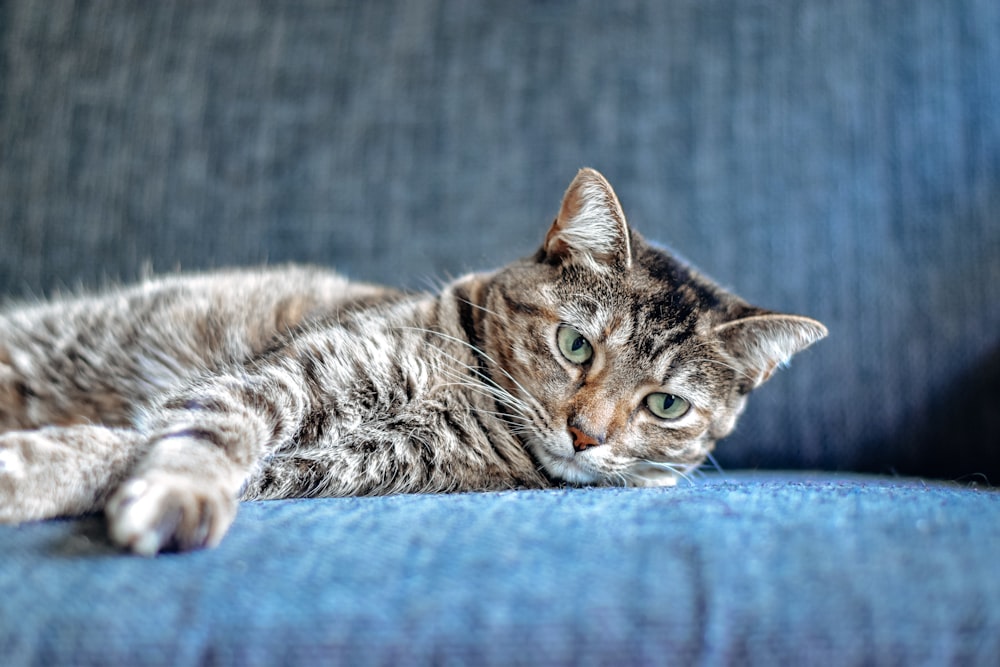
{"x": 841, "y": 160}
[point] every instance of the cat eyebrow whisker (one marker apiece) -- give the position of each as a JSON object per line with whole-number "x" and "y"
{"x": 587, "y": 298}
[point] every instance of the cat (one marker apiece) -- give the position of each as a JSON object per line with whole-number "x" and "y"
{"x": 601, "y": 359}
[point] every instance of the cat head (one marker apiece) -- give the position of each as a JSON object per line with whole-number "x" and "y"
{"x": 623, "y": 363}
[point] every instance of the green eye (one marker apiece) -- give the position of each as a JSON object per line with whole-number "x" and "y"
{"x": 573, "y": 345}
{"x": 667, "y": 406}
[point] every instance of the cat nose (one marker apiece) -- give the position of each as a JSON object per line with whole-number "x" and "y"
{"x": 582, "y": 440}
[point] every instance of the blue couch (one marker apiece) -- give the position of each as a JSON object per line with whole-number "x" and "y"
{"x": 790, "y": 569}
{"x": 841, "y": 160}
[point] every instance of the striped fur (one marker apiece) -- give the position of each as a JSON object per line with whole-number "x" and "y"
{"x": 165, "y": 403}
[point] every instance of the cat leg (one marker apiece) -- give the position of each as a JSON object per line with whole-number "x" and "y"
{"x": 62, "y": 471}
{"x": 12, "y": 394}
{"x": 204, "y": 443}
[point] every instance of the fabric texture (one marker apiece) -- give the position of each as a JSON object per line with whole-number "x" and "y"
{"x": 841, "y": 160}
{"x": 765, "y": 571}
{"x": 835, "y": 159}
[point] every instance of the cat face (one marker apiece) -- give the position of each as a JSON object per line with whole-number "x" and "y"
{"x": 624, "y": 366}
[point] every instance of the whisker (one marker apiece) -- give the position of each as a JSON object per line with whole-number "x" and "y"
{"x": 484, "y": 390}
{"x": 502, "y": 416}
{"x": 527, "y": 407}
{"x": 518, "y": 409}
{"x": 472, "y": 369}
{"x": 497, "y": 393}
{"x": 681, "y": 470}
{"x": 715, "y": 464}
{"x": 475, "y": 349}
{"x": 512, "y": 419}
{"x": 482, "y": 308}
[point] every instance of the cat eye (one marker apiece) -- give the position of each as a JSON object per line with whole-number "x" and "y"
{"x": 667, "y": 406}
{"x": 573, "y": 345}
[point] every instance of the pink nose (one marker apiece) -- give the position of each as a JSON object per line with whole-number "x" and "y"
{"x": 582, "y": 440}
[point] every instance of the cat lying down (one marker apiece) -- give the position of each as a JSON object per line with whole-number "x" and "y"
{"x": 600, "y": 359}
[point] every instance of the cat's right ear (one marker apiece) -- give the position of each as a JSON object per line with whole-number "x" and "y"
{"x": 762, "y": 341}
{"x": 591, "y": 227}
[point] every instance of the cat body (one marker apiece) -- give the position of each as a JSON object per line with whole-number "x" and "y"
{"x": 599, "y": 360}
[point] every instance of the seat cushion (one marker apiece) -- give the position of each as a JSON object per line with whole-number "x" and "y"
{"x": 789, "y": 568}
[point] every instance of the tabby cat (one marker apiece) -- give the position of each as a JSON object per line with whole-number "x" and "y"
{"x": 598, "y": 360}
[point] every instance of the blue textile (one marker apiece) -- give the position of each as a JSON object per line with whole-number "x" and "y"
{"x": 795, "y": 569}
{"x": 837, "y": 159}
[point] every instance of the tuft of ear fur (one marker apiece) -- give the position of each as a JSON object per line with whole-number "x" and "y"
{"x": 761, "y": 342}
{"x": 591, "y": 227}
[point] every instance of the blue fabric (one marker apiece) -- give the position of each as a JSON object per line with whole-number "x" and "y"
{"x": 792, "y": 569}
{"x": 838, "y": 159}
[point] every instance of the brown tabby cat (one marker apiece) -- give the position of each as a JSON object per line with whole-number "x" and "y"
{"x": 599, "y": 360}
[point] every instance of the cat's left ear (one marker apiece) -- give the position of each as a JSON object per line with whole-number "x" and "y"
{"x": 590, "y": 228}
{"x": 761, "y": 342}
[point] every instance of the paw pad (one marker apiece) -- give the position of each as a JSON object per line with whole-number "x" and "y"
{"x": 173, "y": 513}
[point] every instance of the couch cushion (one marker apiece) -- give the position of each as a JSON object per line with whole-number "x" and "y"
{"x": 787, "y": 569}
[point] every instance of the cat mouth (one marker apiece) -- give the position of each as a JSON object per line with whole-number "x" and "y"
{"x": 562, "y": 464}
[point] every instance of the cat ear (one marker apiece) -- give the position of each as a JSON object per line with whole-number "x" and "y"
{"x": 591, "y": 226}
{"x": 763, "y": 341}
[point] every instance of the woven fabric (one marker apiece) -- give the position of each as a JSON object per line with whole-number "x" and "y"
{"x": 750, "y": 571}
{"x": 841, "y": 160}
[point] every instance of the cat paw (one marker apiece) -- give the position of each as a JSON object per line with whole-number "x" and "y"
{"x": 166, "y": 512}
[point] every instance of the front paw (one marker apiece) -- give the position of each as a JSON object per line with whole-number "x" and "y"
{"x": 161, "y": 512}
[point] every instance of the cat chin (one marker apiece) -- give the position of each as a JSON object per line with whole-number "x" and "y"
{"x": 649, "y": 474}
{"x": 576, "y": 471}
{"x": 569, "y": 470}
{"x": 563, "y": 467}
{"x": 639, "y": 475}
